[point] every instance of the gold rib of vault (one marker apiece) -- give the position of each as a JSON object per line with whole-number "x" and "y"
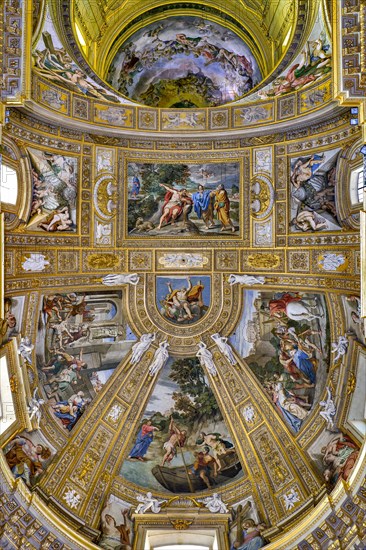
{"x": 272, "y": 460}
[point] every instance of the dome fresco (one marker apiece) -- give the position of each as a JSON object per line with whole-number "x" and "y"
{"x": 184, "y": 62}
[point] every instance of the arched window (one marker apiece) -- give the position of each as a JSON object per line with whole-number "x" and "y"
{"x": 8, "y": 184}
{"x": 357, "y": 185}
{"x": 182, "y": 547}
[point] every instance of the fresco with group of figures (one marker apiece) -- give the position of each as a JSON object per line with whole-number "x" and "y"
{"x": 183, "y": 199}
{"x": 81, "y": 340}
{"x": 284, "y": 338}
{"x": 13, "y": 314}
{"x": 52, "y": 61}
{"x": 311, "y": 64}
{"x": 116, "y": 525}
{"x": 182, "y": 444}
{"x": 313, "y": 192}
{"x": 184, "y": 62}
{"x": 28, "y": 455}
{"x": 55, "y": 181}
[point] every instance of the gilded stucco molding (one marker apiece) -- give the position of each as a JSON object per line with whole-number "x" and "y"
{"x": 88, "y": 462}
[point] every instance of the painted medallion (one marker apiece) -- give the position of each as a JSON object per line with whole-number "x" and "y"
{"x": 183, "y": 300}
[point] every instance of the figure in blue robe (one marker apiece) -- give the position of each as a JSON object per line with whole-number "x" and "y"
{"x": 143, "y": 441}
{"x": 292, "y": 420}
{"x": 135, "y": 186}
{"x": 67, "y": 419}
{"x": 202, "y": 204}
{"x": 304, "y": 364}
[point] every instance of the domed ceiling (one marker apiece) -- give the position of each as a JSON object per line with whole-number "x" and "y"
{"x": 182, "y": 322}
{"x": 184, "y": 62}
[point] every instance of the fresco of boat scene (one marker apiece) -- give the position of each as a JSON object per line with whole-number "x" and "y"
{"x": 182, "y": 444}
{"x": 313, "y": 191}
{"x": 183, "y": 199}
{"x": 183, "y": 300}
{"x": 82, "y": 337}
{"x": 184, "y": 62}
{"x": 284, "y": 338}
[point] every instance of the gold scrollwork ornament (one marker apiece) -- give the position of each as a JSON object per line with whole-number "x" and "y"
{"x": 181, "y": 524}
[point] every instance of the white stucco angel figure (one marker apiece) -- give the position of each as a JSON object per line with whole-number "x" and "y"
{"x": 331, "y": 261}
{"x": 215, "y": 504}
{"x": 206, "y": 359}
{"x": 160, "y": 358}
{"x": 340, "y": 348}
{"x": 148, "y": 502}
{"x": 249, "y": 413}
{"x": 248, "y": 280}
{"x": 25, "y": 349}
{"x": 329, "y": 408}
{"x": 114, "y": 279}
{"x": 224, "y": 347}
{"x": 34, "y": 408}
{"x": 290, "y": 499}
{"x": 141, "y": 346}
{"x": 35, "y": 262}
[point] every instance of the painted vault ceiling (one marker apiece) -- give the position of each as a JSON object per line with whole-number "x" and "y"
{"x": 182, "y": 338}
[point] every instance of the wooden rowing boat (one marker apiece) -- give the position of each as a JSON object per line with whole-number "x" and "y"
{"x": 175, "y": 479}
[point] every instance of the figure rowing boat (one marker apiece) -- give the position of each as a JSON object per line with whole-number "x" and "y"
{"x": 175, "y": 479}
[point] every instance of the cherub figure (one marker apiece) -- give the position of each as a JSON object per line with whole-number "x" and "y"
{"x": 340, "y": 348}
{"x": 34, "y": 408}
{"x": 149, "y": 502}
{"x": 215, "y": 504}
{"x": 25, "y": 349}
{"x": 329, "y": 408}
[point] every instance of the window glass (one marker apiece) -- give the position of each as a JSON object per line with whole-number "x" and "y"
{"x": 182, "y": 547}
{"x": 9, "y": 184}
{"x": 357, "y": 183}
{"x": 360, "y": 185}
